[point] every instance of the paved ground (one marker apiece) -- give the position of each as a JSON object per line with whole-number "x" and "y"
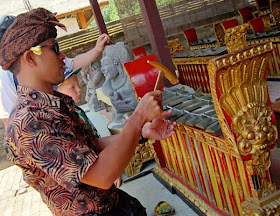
{"x": 17, "y": 198}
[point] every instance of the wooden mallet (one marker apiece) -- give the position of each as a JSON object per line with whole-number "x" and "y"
{"x": 163, "y": 72}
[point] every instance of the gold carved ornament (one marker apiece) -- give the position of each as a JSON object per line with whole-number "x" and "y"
{"x": 235, "y": 38}
{"x": 239, "y": 91}
{"x": 219, "y": 33}
{"x": 244, "y": 98}
{"x": 175, "y": 46}
{"x": 142, "y": 154}
{"x": 275, "y": 10}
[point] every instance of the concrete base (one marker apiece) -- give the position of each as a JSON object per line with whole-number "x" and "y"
{"x": 149, "y": 191}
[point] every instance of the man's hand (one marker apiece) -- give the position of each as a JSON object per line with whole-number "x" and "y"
{"x": 159, "y": 128}
{"x": 148, "y": 108}
{"x": 101, "y": 41}
{"x": 85, "y": 59}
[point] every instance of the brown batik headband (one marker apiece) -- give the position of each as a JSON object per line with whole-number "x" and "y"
{"x": 28, "y": 30}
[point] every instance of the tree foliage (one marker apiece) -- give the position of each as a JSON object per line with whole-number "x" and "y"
{"x": 161, "y": 3}
{"x": 110, "y": 12}
{"x": 117, "y": 9}
{"x": 125, "y": 8}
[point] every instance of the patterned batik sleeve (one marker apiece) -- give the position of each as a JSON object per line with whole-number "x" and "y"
{"x": 51, "y": 145}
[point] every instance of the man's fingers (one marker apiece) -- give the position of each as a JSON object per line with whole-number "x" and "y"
{"x": 158, "y": 98}
{"x": 165, "y": 113}
{"x": 164, "y": 136}
{"x": 104, "y": 38}
{"x": 155, "y": 93}
{"x": 107, "y": 38}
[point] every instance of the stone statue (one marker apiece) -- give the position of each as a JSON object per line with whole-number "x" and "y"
{"x": 117, "y": 85}
{"x": 94, "y": 78}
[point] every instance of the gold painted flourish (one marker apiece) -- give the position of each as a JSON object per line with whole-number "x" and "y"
{"x": 194, "y": 198}
{"x": 231, "y": 144}
{"x": 142, "y": 154}
{"x": 245, "y": 101}
{"x": 240, "y": 79}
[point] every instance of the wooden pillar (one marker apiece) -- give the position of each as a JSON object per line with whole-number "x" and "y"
{"x": 98, "y": 16}
{"x": 82, "y": 19}
{"x": 156, "y": 34}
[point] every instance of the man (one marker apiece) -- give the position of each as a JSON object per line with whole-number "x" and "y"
{"x": 73, "y": 171}
{"x": 8, "y": 82}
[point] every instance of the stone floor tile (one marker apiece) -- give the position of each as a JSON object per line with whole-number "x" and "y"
{"x": 3, "y": 209}
{"x": 8, "y": 212}
{"x": 18, "y": 205}
{"x": 17, "y": 212}
{"x": 45, "y": 214}
{"x": 11, "y": 202}
{"x": 3, "y": 202}
{"x": 35, "y": 208}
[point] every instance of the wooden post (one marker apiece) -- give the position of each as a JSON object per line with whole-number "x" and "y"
{"x": 82, "y": 19}
{"x": 98, "y": 16}
{"x": 156, "y": 34}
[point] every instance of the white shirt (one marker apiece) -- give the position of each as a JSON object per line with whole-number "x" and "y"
{"x": 8, "y": 93}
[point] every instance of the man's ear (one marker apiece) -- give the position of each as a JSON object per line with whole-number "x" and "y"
{"x": 29, "y": 58}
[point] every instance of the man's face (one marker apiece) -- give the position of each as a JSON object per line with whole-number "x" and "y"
{"x": 71, "y": 88}
{"x": 50, "y": 65}
{"x": 109, "y": 68}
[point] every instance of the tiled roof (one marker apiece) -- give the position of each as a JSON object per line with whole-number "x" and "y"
{"x": 15, "y": 7}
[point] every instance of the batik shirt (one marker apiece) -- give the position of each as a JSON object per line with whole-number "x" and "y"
{"x": 49, "y": 141}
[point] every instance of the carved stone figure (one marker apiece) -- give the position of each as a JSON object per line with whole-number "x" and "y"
{"x": 117, "y": 85}
{"x": 94, "y": 78}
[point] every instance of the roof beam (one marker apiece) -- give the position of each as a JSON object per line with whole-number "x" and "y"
{"x": 101, "y": 5}
{"x": 98, "y": 16}
{"x": 59, "y": 16}
{"x": 156, "y": 34}
{"x": 82, "y": 20}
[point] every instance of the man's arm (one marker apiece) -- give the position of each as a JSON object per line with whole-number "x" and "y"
{"x": 158, "y": 129}
{"x": 104, "y": 142}
{"x": 120, "y": 148}
{"x": 113, "y": 159}
{"x": 85, "y": 59}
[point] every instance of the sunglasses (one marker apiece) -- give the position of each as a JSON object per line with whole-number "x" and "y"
{"x": 54, "y": 45}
